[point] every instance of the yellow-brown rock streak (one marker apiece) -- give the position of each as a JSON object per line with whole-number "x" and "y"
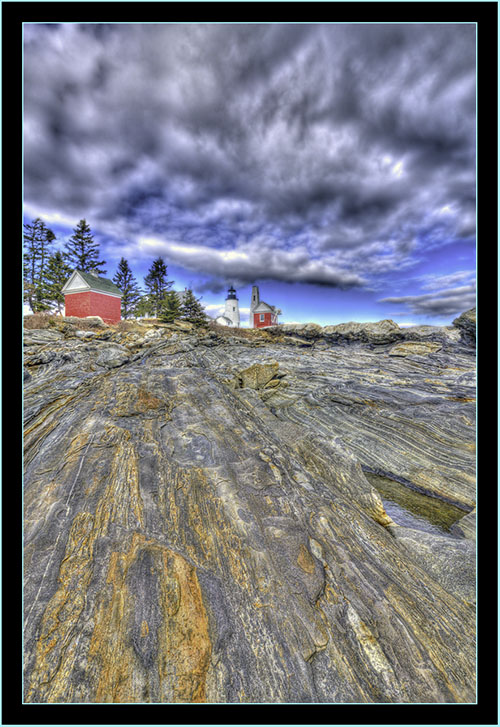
{"x": 162, "y": 631}
{"x": 58, "y": 636}
{"x": 121, "y": 502}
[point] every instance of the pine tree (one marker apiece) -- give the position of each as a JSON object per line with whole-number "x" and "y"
{"x": 82, "y": 251}
{"x": 56, "y": 276}
{"x": 143, "y": 308}
{"x": 170, "y": 308}
{"x": 129, "y": 287}
{"x": 157, "y": 284}
{"x": 191, "y": 309}
{"x": 37, "y": 242}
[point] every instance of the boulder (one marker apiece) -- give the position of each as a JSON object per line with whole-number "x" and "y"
{"x": 41, "y": 336}
{"x": 112, "y": 356}
{"x": 257, "y": 375}
{"x": 85, "y": 334}
{"x": 97, "y": 320}
{"x": 385, "y": 331}
{"x": 466, "y": 323}
{"x": 305, "y": 330}
{"x": 94, "y": 321}
{"x": 439, "y": 334}
{"x": 415, "y": 348}
{"x": 294, "y": 341}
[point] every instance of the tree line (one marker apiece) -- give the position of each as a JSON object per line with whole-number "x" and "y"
{"x": 45, "y": 272}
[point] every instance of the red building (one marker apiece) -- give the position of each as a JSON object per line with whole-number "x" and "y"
{"x": 261, "y": 313}
{"x": 86, "y": 294}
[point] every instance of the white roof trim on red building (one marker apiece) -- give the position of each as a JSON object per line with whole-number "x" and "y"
{"x": 76, "y": 284}
{"x": 263, "y": 308}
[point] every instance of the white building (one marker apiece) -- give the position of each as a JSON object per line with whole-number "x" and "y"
{"x": 231, "y": 315}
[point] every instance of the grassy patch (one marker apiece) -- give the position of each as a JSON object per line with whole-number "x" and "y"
{"x": 39, "y": 320}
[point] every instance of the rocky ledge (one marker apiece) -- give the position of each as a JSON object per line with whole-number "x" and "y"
{"x": 202, "y": 522}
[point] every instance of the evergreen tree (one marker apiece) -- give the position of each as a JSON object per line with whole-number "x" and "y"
{"x": 191, "y": 309}
{"x": 157, "y": 284}
{"x": 37, "y": 242}
{"x": 58, "y": 273}
{"x": 82, "y": 251}
{"x": 128, "y": 285}
{"x": 170, "y": 308}
{"x": 143, "y": 308}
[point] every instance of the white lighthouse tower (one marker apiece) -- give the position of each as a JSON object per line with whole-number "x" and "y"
{"x": 232, "y": 310}
{"x": 231, "y": 316}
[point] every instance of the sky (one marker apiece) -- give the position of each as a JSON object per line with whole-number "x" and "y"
{"x": 333, "y": 165}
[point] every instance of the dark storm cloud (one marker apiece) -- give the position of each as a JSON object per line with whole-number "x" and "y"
{"x": 441, "y": 303}
{"x": 259, "y": 260}
{"x": 335, "y": 146}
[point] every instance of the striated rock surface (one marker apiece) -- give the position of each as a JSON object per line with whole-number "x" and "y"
{"x": 421, "y": 348}
{"x": 199, "y": 526}
{"x": 466, "y": 323}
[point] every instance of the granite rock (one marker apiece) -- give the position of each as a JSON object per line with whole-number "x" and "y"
{"x": 466, "y": 323}
{"x": 450, "y": 561}
{"x": 466, "y": 526}
{"x": 412, "y": 348}
{"x": 189, "y": 540}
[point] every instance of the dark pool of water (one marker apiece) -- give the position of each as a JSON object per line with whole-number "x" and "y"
{"x": 413, "y": 509}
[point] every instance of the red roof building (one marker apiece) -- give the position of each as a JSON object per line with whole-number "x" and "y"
{"x": 261, "y": 313}
{"x": 86, "y": 294}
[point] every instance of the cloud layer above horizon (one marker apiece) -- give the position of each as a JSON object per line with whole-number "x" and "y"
{"x": 333, "y": 155}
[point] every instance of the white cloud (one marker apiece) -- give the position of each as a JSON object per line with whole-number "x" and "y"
{"x": 437, "y": 282}
{"x": 50, "y": 217}
{"x": 397, "y": 169}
